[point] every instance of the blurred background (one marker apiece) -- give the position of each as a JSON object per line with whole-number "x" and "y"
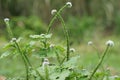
{"x": 87, "y": 20}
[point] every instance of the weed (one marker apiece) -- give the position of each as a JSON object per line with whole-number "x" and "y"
{"x": 64, "y": 67}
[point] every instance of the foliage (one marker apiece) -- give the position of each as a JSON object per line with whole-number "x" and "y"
{"x": 27, "y": 25}
{"x": 65, "y": 66}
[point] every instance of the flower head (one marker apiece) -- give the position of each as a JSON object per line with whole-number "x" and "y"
{"x": 51, "y": 45}
{"x": 110, "y": 43}
{"x": 69, "y": 4}
{"x": 54, "y": 11}
{"x": 6, "y": 19}
{"x": 72, "y": 50}
{"x": 90, "y": 43}
{"x": 45, "y": 62}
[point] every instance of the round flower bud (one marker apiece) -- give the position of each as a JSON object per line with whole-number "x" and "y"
{"x": 110, "y": 43}
{"x": 52, "y": 45}
{"x": 45, "y": 62}
{"x": 72, "y": 50}
{"x": 6, "y": 19}
{"x": 54, "y": 11}
{"x": 90, "y": 43}
{"x": 69, "y": 4}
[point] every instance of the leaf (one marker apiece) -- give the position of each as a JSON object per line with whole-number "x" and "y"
{"x": 84, "y": 73}
{"x": 72, "y": 62}
{"x": 48, "y": 36}
{"x": 9, "y": 45}
{"x": 60, "y": 76}
{"x": 19, "y": 39}
{"x": 114, "y": 77}
{"x": 5, "y": 54}
{"x": 59, "y": 48}
{"x": 41, "y": 36}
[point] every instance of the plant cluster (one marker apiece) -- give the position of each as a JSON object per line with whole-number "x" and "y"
{"x": 64, "y": 66}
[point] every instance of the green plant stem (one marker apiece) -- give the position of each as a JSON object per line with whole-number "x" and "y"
{"x": 99, "y": 63}
{"x": 53, "y": 19}
{"x": 62, "y": 60}
{"x": 67, "y": 37}
{"x": 9, "y": 30}
{"x": 94, "y": 47}
{"x": 46, "y": 72}
{"x": 98, "y": 54}
{"x": 42, "y": 78}
{"x": 25, "y": 62}
{"x": 51, "y": 22}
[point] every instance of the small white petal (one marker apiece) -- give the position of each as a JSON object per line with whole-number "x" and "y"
{"x": 69, "y": 4}
{"x": 90, "y": 43}
{"x": 54, "y": 11}
{"x": 110, "y": 43}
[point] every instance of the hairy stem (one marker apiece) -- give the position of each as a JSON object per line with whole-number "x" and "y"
{"x": 25, "y": 62}
{"x": 9, "y": 30}
{"x": 98, "y": 65}
{"x": 67, "y": 37}
{"x": 53, "y": 19}
{"x": 51, "y": 22}
{"x": 98, "y": 54}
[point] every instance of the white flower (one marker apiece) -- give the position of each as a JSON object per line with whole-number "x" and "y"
{"x": 45, "y": 62}
{"x": 42, "y": 34}
{"x": 54, "y": 11}
{"x": 52, "y": 45}
{"x": 13, "y": 40}
{"x": 90, "y": 43}
{"x": 110, "y": 43}
{"x": 72, "y": 50}
{"x": 6, "y": 19}
{"x": 69, "y": 4}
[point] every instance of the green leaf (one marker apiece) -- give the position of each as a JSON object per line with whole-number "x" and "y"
{"x": 72, "y": 62}
{"x": 59, "y": 48}
{"x": 48, "y": 36}
{"x": 9, "y": 45}
{"x": 114, "y": 77}
{"x": 60, "y": 76}
{"x": 41, "y": 36}
{"x": 5, "y": 54}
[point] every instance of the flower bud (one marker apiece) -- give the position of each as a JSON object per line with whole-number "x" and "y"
{"x": 72, "y": 50}
{"x": 6, "y": 20}
{"x": 51, "y": 45}
{"x": 45, "y": 62}
{"x": 54, "y": 11}
{"x": 110, "y": 43}
{"x": 69, "y": 4}
{"x": 90, "y": 43}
